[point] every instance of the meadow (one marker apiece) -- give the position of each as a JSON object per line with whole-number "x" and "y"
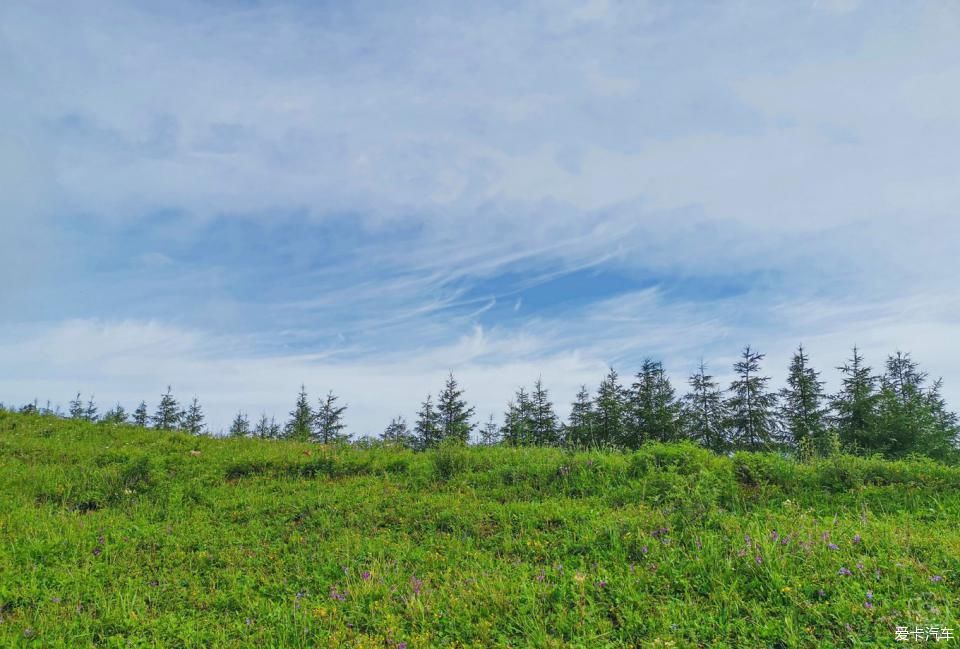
{"x": 118, "y": 536}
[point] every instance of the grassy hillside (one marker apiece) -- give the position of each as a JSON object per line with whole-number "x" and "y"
{"x": 118, "y": 536}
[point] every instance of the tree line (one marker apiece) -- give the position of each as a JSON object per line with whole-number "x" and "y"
{"x": 894, "y": 412}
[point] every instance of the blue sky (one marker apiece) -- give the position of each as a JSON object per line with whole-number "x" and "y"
{"x": 236, "y": 197}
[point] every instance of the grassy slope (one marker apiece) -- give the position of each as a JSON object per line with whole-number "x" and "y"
{"x": 123, "y": 537}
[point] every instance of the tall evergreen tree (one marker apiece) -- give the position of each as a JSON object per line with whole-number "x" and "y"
{"x": 945, "y": 431}
{"x": 855, "y": 406}
{"x": 454, "y": 415}
{"x": 300, "y": 426}
{"x": 193, "y": 418}
{"x": 609, "y": 410}
{"x": 752, "y": 419}
{"x": 518, "y": 420}
{"x": 116, "y": 415}
{"x": 579, "y": 431}
{"x": 90, "y": 410}
{"x": 76, "y": 408}
{"x": 653, "y": 411}
{"x": 705, "y": 411}
{"x": 267, "y": 428}
{"x": 240, "y": 427}
{"x": 328, "y": 421}
{"x": 167, "y": 416}
{"x": 802, "y": 407}
{"x": 140, "y": 416}
{"x": 490, "y": 433}
{"x": 398, "y": 434}
{"x": 427, "y": 429}
{"x": 545, "y": 427}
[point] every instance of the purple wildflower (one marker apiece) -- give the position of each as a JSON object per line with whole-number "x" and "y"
{"x": 401, "y": 645}
{"x": 366, "y": 575}
{"x": 644, "y": 549}
{"x": 746, "y": 538}
{"x": 857, "y": 539}
{"x": 55, "y": 600}
{"x": 860, "y": 567}
{"x": 541, "y": 576}
{"x": 867, "y": 605}
{"x": 337, "y": 595}
{"x": 936, "y": 579}
{"x": 601, "y": 584}
{"x": 758, "y": 559}
{"x": 774, "y": 536}
{"x": 97, "y": 550}
{"x": 844, "y": 571}
{"x": 416, "y": 585}
{"x": 833, "y": 546}
{"x": 821, "y": 593}
{"x": 825, "y": 536}
{"x": 870, "y": 595}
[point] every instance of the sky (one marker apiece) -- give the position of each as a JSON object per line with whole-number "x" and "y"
{"x": 236, "y": 197}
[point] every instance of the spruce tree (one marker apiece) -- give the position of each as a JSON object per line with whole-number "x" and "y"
{"x": 266, "y": 428}
{"x": 519, "y": 420}
{"x": 855, "y": 406}
{"x": 398, "y": 434}
{"x": 427, "y": 429}
{"x": 116, "y": 415}
{"x": 76, "y": 408}
{"x": 193, "y": 418}
{"x": 167, "y": 416}
{"x": 490, "y": 433}
{"x": 653, "y": 411}
{"x": 140, "y": 416}
{"x": 90, "y": 410}
{"x": 802, "y": 407}
{"x": 752, "y": 419}
{"x": 545, "y": 428}
{"x": 328, "y": 421}
{"x": 609, "y": 410}
{"x": 453, "y": 414}
{"x": 944, "y": 438}
{"x": 240, "y": 427}
{"x": 705, "y": 412}
{"x": 579, "y": 431}
{"x": 300, "y": 426}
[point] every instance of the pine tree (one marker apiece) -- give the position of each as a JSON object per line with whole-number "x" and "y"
{"x": 193, "y": 418}
{"x": 705, "y": 413}
{"x": 609, "y": 410}
{"x": 328, "y": 421}
{"x": 802, "y": 403}
{"x": 240, "y": 426}
{"x": 490, "y": 433}
{"x": 140, "y": 416}
{"x": 90, "y": 410}
{"x": 168, "y": 413}
{"x": 856, "y": 406}
{"x": 453, "y": 414}
{"x": 76, "y": 408}
{"x": 518, "y": 421}
{"x": 944, "y": 438}
{"x": 908, "y": 416}
{"x": 398, "y": 434}
{"x": 579, "y": 432}
{"x": 653, "y": 410}
{"x": 427, "y": 429}
{"x": 300, "y": 426}
{"x": 545, "y": 426}
{"x": 266, "y": 428}
{"x": 116, "y": 415}
{"x": 752, "y": 420}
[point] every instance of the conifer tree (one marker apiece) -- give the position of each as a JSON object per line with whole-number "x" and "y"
{"x": 856, "y": 406}
{"x": 545, "y": 428}
{"x": 398, "y": 434}
{"x": 116, "y": 415}
{"x": 76, "y": 408}
{"x": 653, "y": 409}
{"x": 579, "y": 431}
{"x": 328, "y": 421}
{"x": 752, "y": 419}
{"x": 802, "y": 407}
{"x": 490, "y": 433}
{"x": 427, "y": 429}
{"x": 167, "y": 416}
{"x": 193, "y": 418}
{"x": 90, "y": 410}
{"x": 453, "y": 414}
{"x": 705, "y": 413}
{"x": 609, "y": 410}
{"x": 266, "y": 428}
{"x": 945, "y": 432}
{"x": 518, "y": 421}
{"x": 240, "y": 426}
{"x": 300, "y": 426}
{"x": 140, "y": 416}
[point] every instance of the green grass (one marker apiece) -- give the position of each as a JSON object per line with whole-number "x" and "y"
{"x": 118, "y": 536}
